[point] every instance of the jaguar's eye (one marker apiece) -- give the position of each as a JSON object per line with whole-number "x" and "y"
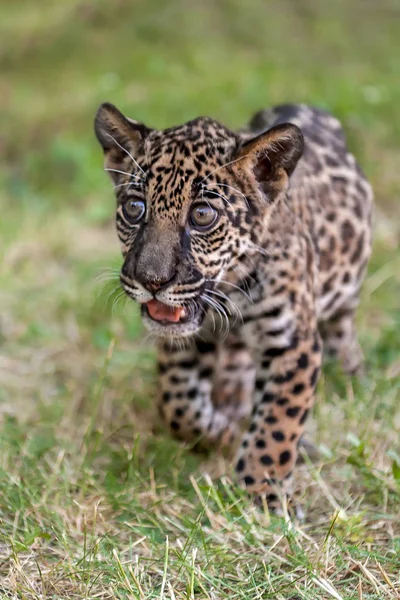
{"x": 134, "y": 210}
{"x": 203, "y": 216}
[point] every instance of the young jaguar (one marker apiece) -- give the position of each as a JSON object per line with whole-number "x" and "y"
{"x": 244, "y": 249}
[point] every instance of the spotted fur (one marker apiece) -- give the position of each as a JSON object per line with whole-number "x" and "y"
{"x": 276, "y": 277}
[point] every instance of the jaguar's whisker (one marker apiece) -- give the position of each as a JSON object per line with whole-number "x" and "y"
{"x": 128, "y": 153}
{"x": 235, "y": 190}
{"x": 130, "y": 183}
{"x": 108, "y": 169}
{"x": 219, "y": 195}
{"x": 219, "y": 309}
{"x": 224, "y": 166}
{"x": 117, "y": 300}
{"x": 231, "y": 284}
{"x": 109, "y": 294}
{"x": 225, "y": 297}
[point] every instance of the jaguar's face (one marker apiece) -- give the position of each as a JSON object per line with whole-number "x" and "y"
{"x": 190, "y": 201}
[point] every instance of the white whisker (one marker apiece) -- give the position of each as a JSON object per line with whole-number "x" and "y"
{"x": 123, "y": 173}
{"x": 235, "y": 190}
{"x": 132, "y": 183}
{"x": 233, "y": 285}
{"x": 117, "y": 300}
{"x": 223, "y": 166}
{"x": 103, "y": 277}
{"x": 259, "y": 249}
{"x": 108, "y": 273}
{"x": 129, "y": 154}
{"x": 220, "y": 310}
{"x": 109, "y": 294}
{"x": 225, "y": 297}
{"x": 216, "y": 194}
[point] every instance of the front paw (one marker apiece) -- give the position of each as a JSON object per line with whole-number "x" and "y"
{"x": 275, "y": 494}
{"x": 280, "y": 504}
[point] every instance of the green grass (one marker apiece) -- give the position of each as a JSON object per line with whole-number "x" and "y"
{"x": 95, "y": 500}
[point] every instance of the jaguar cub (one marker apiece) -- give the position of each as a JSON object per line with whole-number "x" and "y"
{"x": 252, "y": 246}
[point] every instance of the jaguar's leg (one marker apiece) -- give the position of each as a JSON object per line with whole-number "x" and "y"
{"x": 234, "y": 379}
{"x": 340, "y": 340}
{"x": 284, "y": 391}
{"x": 186, "y": 379}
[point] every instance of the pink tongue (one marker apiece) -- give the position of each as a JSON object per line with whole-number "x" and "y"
{"x": 161, "y": 312}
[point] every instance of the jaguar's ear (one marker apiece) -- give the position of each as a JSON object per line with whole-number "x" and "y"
{"x": 272, "y": 157}
{"x": 118, "y": 135}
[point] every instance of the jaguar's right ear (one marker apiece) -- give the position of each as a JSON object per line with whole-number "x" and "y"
{"x": 272, "y": 157}
{"x": 119, "y": 136}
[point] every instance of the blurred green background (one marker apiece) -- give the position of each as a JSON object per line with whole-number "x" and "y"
{"x": 60, "y": 309}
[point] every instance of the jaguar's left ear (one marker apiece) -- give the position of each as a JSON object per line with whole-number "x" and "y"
{"x": 272, "y": 157}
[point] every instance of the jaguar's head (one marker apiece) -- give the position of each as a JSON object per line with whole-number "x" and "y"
{"x": 191, "y": 201}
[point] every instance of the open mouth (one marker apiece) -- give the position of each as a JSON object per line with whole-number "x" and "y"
{"x": 167, "y": 315}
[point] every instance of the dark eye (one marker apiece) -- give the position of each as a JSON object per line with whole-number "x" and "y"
{"x": 202, "y": 216}
{"x": 134, "y": 210}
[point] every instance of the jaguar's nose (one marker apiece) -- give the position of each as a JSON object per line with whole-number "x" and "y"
{"x": 154, "y": 284}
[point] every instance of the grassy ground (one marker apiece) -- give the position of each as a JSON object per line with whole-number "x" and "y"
{"x": 95, "y": 501}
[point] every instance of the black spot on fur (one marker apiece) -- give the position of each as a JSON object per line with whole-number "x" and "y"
{"x": 355, "y": 257}
{"x": 288, "y": 376}
{"x": 282, "y": 401}
{"x": 267, "y": 398}
{"x": 271, "y": 497}
{"x": 293, "y": 411}
{"x": 176, "y": 380}
{"x": 314, "y": 377}
{"x": 273, "y": 313}
{"x": 328, "y": 284}
{"x": 285, "y": 457}
{"x": 260, "y": 384}
{"x": 298, "y": 389}
{"x": 266, "y": 460}
{"x": 278, "y": 436}
{"x": 302, "y": 363}
{"x": 274, "y": 352}
{"x": 316, "y": 345}
{"x": 347, "y": 231}
{"x": 205, "y": 373}
{"x": 303, "y": 417}
{"x": 187, "y": 364}
{"x": 205, "y": 347}
{"x": 271, "y": 420}
{"x": 249, "y": 480}
{"x": 240, "y": 465}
